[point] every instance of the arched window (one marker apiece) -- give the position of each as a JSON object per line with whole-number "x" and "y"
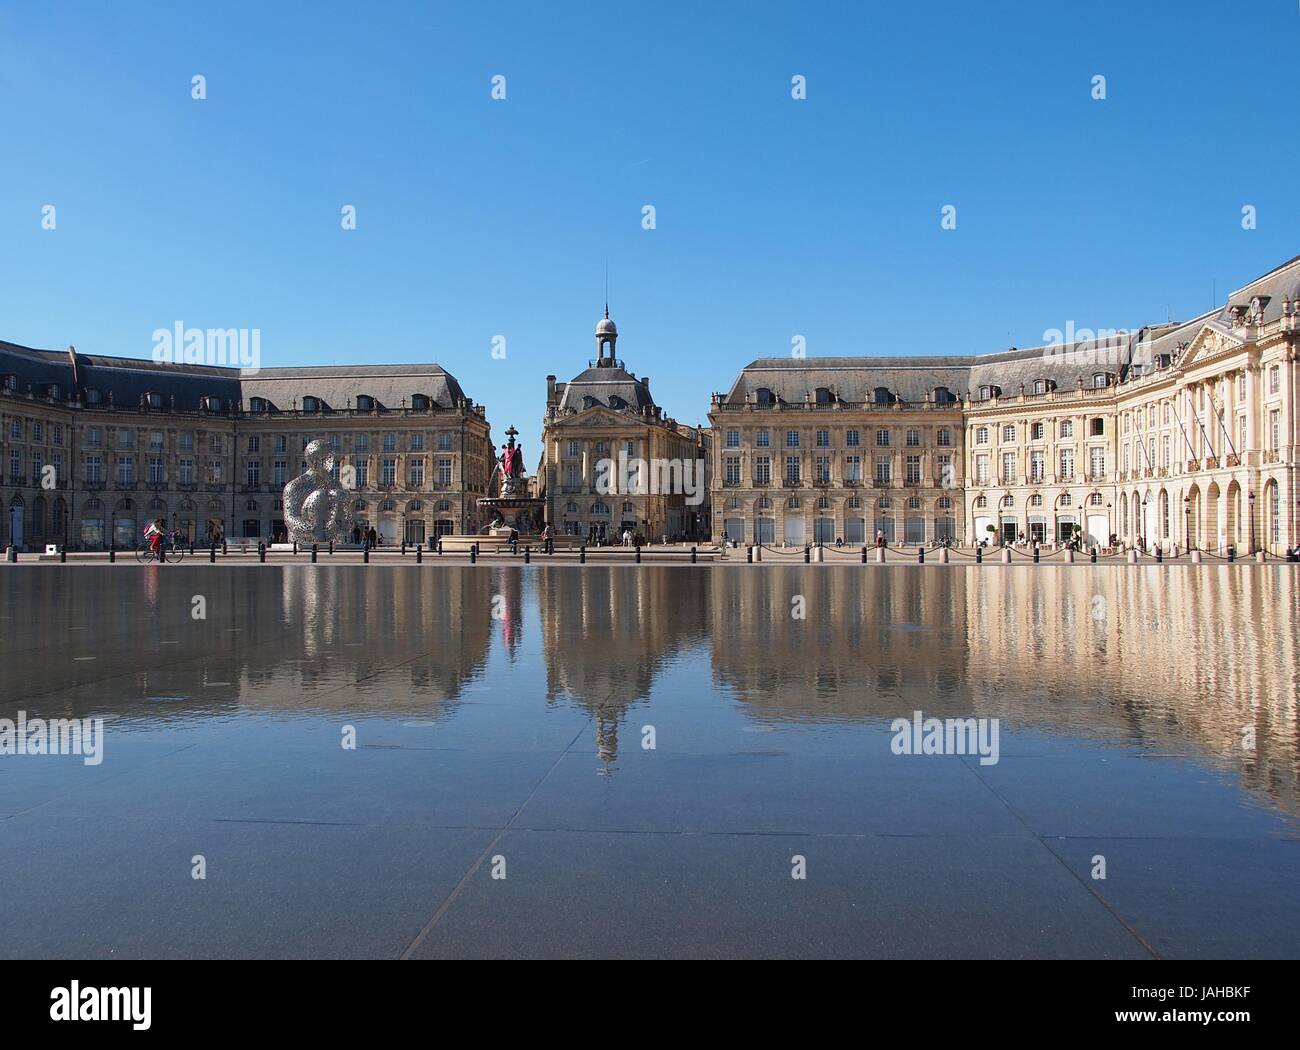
{"x": 823, "y": 396}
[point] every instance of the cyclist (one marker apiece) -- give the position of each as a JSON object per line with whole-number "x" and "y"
{"x": 155, "y": 533}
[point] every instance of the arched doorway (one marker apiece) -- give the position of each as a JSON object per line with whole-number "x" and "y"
{"x": 1212, "y": 537}
{"x": 124, "y": 526}
{"x": 1232, "y": 515}
{"x": 1192, "y": 517}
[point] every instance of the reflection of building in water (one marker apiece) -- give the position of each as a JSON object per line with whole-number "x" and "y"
{"x": 1149, "y": 654}
{"x": 294, "y": 639}
{"x": 608, "y": 632}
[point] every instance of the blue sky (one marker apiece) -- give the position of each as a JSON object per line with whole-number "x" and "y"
{"x": 775, "y": 217}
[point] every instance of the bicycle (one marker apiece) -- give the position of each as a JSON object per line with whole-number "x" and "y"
{"x": 170, "y": 550}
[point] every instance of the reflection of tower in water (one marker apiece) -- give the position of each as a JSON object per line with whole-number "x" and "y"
{"x": 607, "y": 633}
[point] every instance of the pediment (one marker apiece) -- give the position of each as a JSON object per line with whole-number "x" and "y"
{"x": 596, "y": 416}
{"x": 1209, "y": 342}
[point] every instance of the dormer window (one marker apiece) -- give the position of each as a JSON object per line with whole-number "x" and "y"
{"x": 764, "y": 396}
{"x": 1043, "y": 386}
{"x": 11, "y": 383}
{"x": 617, "y": 402}
{"x": 943, "y": 396}
{"x": 312, "y": 404}
{"x": 259, "y": 406}
{"x": 93, "y": 396}
{"x": 824, "y": 396}
{"x": 52, "y": 391}
{"x": 420, "y": 402}
{"x": 883, "y": 396}
{"x": 153, "y": 400}
{"x": 211, "y": 404}
{"x": 365, "y": 403}
{"x": 1100, "y": 381}
{"x": 987, "y": 392}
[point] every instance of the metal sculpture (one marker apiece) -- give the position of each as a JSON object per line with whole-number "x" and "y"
{"x": 316, "y": 508}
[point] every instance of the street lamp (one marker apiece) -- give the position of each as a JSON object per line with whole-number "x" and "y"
{"x": 1110, "y": 526}
{"x": 1187, "y": 521}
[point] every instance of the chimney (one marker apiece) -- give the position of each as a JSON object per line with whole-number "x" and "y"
{"x": 550, "y": 390}
{"x": 645, "y": 382}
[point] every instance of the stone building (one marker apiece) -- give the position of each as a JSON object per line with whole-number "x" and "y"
{"x": 1176, "y": 434}
{"x": 93, "y": 447}
{"x": 612, "y": 461}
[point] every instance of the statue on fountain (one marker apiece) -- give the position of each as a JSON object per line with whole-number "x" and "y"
{"x": 511, "y": 465}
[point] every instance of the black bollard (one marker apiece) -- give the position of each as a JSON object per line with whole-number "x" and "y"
{"x": 261, "y": 551}
{"x": 979, "y": 555}
{"x": 313, "y": 554}
{"x": 638, "y": 554}
{"x": 223, "y": 546}
{"x": 419, "y": 555}
{"x": 807, "y": 555}
{"x": 331, "y": 548}
{"x": 473, "y": 553}
{"x": 920, "y": 555}
{"x": 1035, "y": 554}
{"x": 212, "y": 554}
{"x": 403, "y": 548}
{"x": 1232, "y": 554}
{"x": 63, "y": 555}
{"x": 112, "y": 554}
{"x": 1160, "y": 555}
{"x": 295, "y": 546}
{"x": 749, "y": 555}
{"x": 191, "y": 548}
{"x": 1092, "y": 555}
{"x": 693, "y": 559}
{"x": 365, "y": 554}
{"x": 528, "y": 554}
{"x": 864, "y": 554}
{"x": 582, "y": 554}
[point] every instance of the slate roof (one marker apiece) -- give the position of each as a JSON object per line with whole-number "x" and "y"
{"x": 129, "y": 379}
{"x": 613, "y": 387}
{"x": 912, "y": 379}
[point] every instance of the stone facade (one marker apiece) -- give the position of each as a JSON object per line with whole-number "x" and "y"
{"x": 601, "y": 418}
{"x": 94, "y": 447}
{"x": 1180, "y": 434}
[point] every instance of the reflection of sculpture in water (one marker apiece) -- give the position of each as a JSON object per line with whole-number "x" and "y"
{"x": 316, "y": 508}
